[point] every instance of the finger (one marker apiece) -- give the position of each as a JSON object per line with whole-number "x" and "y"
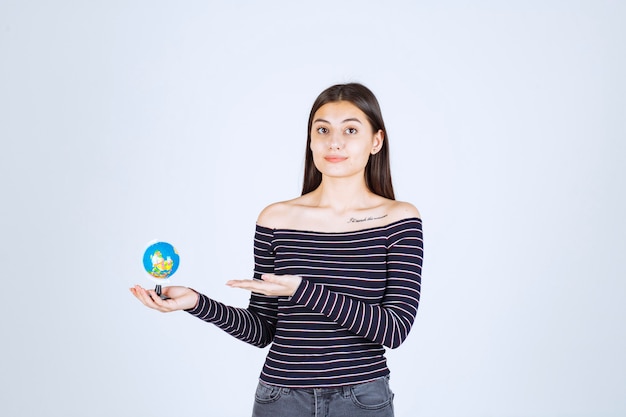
{"x": 159, "y": 303}
{"x": 135, "y": 290}
{"x": 147, "y": 297}
{"x": 256, "y": 286}
{"x": 278, "y": 280}
{"x": 286, "y": 284}
{"x": 247, "y": 284}
{"x": 138, "y": 292}
{"x": 270, "y": 278}
{"x": 239, "y": 282}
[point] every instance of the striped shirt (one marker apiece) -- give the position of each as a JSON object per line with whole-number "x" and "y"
{"x": 359, "y": 294}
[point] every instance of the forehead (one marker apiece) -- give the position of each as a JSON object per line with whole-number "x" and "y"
{"x": 338, "y": 111}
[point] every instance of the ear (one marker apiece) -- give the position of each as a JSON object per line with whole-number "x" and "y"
{"x": 377, "y": 142}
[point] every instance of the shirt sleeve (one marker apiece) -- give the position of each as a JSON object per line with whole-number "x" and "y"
{"x": 255, "y": 324}
{"x": 389, "y": 322}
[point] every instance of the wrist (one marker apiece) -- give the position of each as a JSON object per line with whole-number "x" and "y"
{"x": 297, "y": 283}
{"x": 194, "y": 300}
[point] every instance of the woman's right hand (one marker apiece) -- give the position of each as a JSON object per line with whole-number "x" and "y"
{"x": 179, "y": 298}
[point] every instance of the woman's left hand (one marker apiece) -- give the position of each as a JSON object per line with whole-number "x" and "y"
{"x": 271, "y": 284}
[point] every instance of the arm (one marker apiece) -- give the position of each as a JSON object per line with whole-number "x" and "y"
{"x": 389, "y": 322}
{"x": 256, "y": 324}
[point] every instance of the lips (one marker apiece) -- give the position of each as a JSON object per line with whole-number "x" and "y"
{"x": 335, "y": 158}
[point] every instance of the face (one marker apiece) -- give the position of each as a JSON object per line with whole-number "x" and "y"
{"x": 342, "y": 139}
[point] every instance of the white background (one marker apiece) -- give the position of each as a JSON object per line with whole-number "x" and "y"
{"x": 124, "y": 121}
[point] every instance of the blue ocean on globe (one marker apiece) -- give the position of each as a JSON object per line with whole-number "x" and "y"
{"x": 160, "y": 260}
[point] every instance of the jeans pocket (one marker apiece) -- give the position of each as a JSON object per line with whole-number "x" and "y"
{"x": 266, "y": 393}
{"x": 372, "y": 395}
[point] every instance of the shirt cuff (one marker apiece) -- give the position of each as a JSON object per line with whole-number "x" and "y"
{"x": 201, "y": 305}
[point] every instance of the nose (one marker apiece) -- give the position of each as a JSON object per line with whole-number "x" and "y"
{"x": 335, "y": 140}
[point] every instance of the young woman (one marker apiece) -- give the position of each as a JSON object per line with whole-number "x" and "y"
{"x": 337, "y": 272}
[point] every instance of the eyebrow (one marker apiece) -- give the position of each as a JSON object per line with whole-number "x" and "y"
{"x": 351, "y": 119}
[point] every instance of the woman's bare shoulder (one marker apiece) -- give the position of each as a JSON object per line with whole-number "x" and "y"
{"x": 399, "y": 210}
{"x": 277, "y": 214}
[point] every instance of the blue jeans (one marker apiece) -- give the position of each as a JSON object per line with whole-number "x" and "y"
{"x": 370, "y": 399}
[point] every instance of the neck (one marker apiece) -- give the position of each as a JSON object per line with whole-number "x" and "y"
{"x": 343, "y": 194}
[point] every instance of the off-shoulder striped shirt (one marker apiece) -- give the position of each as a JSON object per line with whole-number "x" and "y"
{"x": 360, "y": 292}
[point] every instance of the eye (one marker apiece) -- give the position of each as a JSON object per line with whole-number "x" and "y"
{"x": 351, "y": 131}
{"x": 321, "y": 130}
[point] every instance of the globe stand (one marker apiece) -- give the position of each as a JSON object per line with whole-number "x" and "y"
{"x": 157, "y": 289}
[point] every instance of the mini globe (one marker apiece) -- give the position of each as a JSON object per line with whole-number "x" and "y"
{"x": 160, "y": 260}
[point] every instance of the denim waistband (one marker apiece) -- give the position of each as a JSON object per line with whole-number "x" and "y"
{"x": 343, "y": 389}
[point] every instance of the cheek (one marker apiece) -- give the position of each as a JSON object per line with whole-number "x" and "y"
{"x": 361, "y": 148}
{"x": 316, "y": 151}
{"x": 317, "y": 146}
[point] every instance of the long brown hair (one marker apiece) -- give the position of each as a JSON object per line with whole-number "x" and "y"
{"x": 377, "y": 170}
